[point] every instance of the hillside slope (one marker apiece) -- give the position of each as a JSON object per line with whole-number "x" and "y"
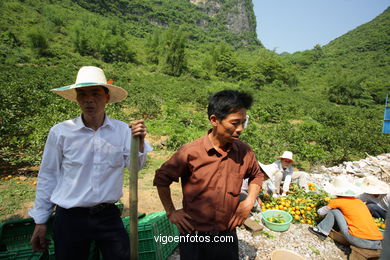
{"x": 363, "y": 52}
{"x": 169, "y": 64}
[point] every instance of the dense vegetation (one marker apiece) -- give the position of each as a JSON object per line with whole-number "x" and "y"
{"x": 317, "y": 103}
{"x": 354, "y": 68}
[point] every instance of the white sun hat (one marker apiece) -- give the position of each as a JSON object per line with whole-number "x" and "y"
{"x": 89, "y": 76}
{"x": 287, "y": 155}
{"x": 372, "y": 185}
{"x": 343, "y": 186}
{"x": 269, "y": 169}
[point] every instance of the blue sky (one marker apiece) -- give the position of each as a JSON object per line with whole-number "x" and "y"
{"x": 297, "y": 25}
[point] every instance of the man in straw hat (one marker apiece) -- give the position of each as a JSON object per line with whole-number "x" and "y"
{"x": 212, "y": 169}
{"x": 351, "y": 215}
{"x": 286, "y": 173}
{"x": 376, "y": 196}
{"x": 82, "y": 173}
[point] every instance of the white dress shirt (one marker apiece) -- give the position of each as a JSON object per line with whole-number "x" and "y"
{"x": 287, "y": 174}
{"x": 82, "y": 167}
{"x": 268, "y": 185}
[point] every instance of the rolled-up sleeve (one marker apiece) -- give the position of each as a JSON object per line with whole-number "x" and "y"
{"x": 141, "y": 156}
{"x": 172, "y": 169}
{"x": 47, "y": 179}
{"x": 254, "y": 173}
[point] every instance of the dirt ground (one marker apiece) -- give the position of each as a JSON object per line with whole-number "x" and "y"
{"x": 148, "y": 200}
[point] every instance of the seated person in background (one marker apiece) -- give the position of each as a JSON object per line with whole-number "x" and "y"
{"x": 351, "y": 215}
{"x": 286, "y": 173}
{"x": 244, "y": 193}
{"x": 376, "y": 196}
{"x": 267, "y": 185}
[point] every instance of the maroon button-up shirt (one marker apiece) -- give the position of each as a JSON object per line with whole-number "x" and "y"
{"x": 211, "y": 181}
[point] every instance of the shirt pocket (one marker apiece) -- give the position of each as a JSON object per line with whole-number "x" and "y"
{"x": 234, "y": 183}
{"x": 74, "y": 159}
{"x": 113, "y": 155}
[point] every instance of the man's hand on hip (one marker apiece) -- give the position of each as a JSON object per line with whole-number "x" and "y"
{"x": 242, "y": 212}
{"x": 179, "y": 218}
{"x": 38, "y": 240}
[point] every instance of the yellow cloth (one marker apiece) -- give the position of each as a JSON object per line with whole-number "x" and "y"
{"x": 358, "y": 217}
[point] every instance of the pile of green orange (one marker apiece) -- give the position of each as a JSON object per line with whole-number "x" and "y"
{"x": 301, "y": 205}
{"x": 277, "y": 219}
{"x": 380, "y": 222}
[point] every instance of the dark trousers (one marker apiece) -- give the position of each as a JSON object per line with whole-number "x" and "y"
{"x": 204, "y": 246}
{"x": 76, "y": 228}
{"x": 376, "y": 211}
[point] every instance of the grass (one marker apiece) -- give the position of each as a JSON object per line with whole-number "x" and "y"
{"x": 268, "y": 235}
{"x": 14, "y": 193}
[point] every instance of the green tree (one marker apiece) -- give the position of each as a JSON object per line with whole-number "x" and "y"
{"x": 39, "y": 43}
{"x": 229, "y": 67}
{"x": 115, "y": 49}
{"x": 175, "y": 60}
{"x": 348, "y": 90}
{"x": 154, "y": 48}
{"x": 269, "y": 68}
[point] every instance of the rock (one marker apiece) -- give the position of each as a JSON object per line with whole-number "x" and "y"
{"x": 253, "y": 226}
{"x": 373, "y": 169}
{"x": 359, "y": 164}
{"x": 323, "y": 168}
{"x": 361, "y": 174}
{"x": 376, "y": 166}
{"x": 349, "y": 169}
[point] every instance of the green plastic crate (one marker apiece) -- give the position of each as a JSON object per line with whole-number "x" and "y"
{"x": 29, "y": 254}
{"x": 15, "y": 235}
{"x": 152, "y": 225}
{"x": 7, "y": 255}
{"x": 23, "y": 255}
{"x": 120, "y": 207}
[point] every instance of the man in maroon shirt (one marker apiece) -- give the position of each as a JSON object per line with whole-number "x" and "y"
{"x": 212, "y": 169}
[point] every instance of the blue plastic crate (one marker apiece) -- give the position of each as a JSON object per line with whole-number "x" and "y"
{"x": 386, "y": 127}
{"x": 386, "y": 117}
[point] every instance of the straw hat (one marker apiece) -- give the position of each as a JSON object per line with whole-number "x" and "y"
{"x": 269, "y": 169}
{"x": 287, "y": 155}
{"x": 91, "y": 76}
{"x": 343, "y": 186}
{"x": 372, "y": 185}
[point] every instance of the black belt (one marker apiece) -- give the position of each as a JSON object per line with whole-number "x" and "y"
{"x": 90, "y": 210}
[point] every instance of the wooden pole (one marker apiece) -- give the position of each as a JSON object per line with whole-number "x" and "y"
{"x": 133, "y": 197}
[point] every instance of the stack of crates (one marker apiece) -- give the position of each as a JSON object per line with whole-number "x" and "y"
{"x": 15, "y": 238}
{"x": 149, "y": 228}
